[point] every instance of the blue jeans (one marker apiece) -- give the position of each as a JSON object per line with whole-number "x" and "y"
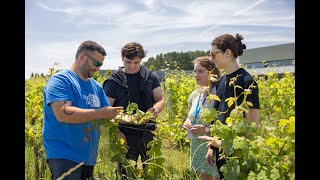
{"x": 60, "y": 166}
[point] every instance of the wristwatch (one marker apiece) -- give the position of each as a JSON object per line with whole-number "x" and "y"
{"x": 207, "y": 129}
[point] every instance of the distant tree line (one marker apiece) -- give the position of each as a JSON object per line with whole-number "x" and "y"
{"x": 174, "y": 60}
{"x": 170, "y": 61}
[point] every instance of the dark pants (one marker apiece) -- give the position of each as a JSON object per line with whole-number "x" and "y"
{"x": 60, "y": 166}
{"x": 137, "y": 147}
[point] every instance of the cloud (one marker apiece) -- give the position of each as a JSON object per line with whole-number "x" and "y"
{"x": 159, "y": 25}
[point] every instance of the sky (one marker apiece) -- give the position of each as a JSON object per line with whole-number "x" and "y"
{"x": 55, "y": 29}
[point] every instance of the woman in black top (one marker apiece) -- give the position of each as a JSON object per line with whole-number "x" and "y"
{"x": 225, "y": 49}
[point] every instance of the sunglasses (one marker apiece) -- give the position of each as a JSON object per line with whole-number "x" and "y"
{"x": 131, "y": 54}
{"x": 96, "y": 62}
{"x": 213, "y": 54}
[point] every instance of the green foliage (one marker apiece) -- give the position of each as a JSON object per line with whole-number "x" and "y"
{"x": 264, "y": 152}
{"x": 259, "y": 152}
{"x": 33, "y": 124}
{"x": 98, "y": 77}
{"x": 277, "y": 97}
{"x": 133, "y": 115}
{"x": 155, "y": 163}
{"x": 177, "y": 87}
{"x": 116, "y": 144}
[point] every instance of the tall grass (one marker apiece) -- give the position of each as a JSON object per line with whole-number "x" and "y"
{"x": 30, "y": 165}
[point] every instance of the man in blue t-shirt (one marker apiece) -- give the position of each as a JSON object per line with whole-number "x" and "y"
{"x": 73, "y": 104}
{"x": 135, "y": 83}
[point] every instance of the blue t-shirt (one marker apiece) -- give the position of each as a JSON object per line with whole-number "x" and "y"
{"x": 75, "y": 142}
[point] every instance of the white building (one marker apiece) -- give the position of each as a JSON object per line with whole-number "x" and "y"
{"x": 277, "y": 58}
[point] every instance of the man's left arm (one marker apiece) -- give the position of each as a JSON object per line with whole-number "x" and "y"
{"x": 159, "y": 101}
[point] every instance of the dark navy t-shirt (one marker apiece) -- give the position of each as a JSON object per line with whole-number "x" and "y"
{"x": 225, "y": 91}
{"x": 114, "y": 90}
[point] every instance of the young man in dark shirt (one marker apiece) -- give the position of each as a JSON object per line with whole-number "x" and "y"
{"x": 135, "y": 83}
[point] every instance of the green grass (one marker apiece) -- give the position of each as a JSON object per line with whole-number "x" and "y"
{"x": 30, "y": 161}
